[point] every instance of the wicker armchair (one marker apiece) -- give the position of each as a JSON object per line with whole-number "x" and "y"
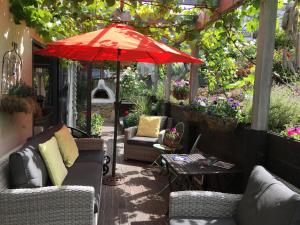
{"x": 141, "y": 148}
{"x": 202, "y": 204}
{"x": 267, "y": 200}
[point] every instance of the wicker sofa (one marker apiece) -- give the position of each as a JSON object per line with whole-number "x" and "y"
{"x": 141, "y": 148}
{"x": 75, "y": 202}
{"x": 268, "y": 200}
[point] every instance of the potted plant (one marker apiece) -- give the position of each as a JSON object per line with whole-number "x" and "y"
{"x": 171, "y": 138}
{"x": 181, "y": 89}
{"x": 20, "y": 98}
{"x": 198, "y": 110}
{"x": 223, "y": 114}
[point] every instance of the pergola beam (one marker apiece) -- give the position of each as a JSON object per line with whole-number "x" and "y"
{"x": 224, "y": 6}
{"x": 264, "y": 64}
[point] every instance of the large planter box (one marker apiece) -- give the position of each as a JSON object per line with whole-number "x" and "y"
{"x": 283, "y": 157}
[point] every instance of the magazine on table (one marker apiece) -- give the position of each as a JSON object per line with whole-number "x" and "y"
{"x": 224, "y": 165}
{"x": 180, "y": 157}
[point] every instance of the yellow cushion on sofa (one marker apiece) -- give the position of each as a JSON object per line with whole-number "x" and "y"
{"x": 67, "y": 146}
{"x": 148, "y": 126}
{"x": 53, "y": 160}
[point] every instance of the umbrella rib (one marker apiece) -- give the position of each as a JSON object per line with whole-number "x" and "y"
{"x": 152, "y": 58}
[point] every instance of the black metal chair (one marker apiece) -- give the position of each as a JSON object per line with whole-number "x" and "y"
{"x": 194, "y": 148}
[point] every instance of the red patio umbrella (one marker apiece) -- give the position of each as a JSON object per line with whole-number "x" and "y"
{"x": 117, "y": 42}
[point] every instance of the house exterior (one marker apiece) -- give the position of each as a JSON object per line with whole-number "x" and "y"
{"x": 15, "y": 128}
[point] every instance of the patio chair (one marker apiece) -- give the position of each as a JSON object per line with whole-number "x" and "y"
{"x": 141, "y": 148}
{"x": 268, "y": 200}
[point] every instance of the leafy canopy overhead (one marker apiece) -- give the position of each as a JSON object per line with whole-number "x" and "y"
{"x": 56, "y": 19}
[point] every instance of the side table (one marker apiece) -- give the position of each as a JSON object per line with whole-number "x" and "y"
{"x": 192, "y": 165}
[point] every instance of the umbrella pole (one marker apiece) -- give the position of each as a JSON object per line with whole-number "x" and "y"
{"x": 115, "y": 179}
{"x": 117, "y": 108}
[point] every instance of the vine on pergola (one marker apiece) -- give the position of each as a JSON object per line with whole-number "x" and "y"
{"x": 222, "y": 44}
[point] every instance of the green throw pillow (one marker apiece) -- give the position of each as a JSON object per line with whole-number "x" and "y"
{"x": 67, "y": 146}
{"x": 53, "y": 160}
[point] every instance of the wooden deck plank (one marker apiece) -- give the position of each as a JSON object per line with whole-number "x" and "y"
{"x": 135, "y": 202}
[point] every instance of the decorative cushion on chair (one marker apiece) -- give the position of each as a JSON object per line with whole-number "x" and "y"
{"x": 53, "y": 160}
{"x": 149, "y": 126}
{"x": 27, "y": 169}
{"x": 268, "y": 201}
{"x": 142, "y": 141}
{"x": 67, "y": 146}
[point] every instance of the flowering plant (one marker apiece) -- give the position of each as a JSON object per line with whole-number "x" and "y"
{"x": 293, "y": 132}
{"x": 131, "y": 84}
{"x": 200, "y": 104}
{"x": 181, "y": 89}
{"x": 222, "y": 107}
{"x": 171, "y": 137}
{"x": 172, "y": 134}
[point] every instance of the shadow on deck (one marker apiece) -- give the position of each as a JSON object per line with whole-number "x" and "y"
{"x": 135, "y": 202}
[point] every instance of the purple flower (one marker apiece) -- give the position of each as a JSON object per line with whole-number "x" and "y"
{"x": 230, "y": 100}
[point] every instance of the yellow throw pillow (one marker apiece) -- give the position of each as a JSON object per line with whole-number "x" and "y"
{"x": 53, "y": 160}
{"x": 67, "y": 146}
{"x": 148, "y": 126}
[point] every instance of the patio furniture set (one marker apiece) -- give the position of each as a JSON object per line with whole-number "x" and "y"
{"x": 28, "y": 196}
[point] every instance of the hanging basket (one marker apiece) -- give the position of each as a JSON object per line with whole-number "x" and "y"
{"x": 14, "y": 104}
{"x": 180, "y": 95}
{"x": 221, "y": 124}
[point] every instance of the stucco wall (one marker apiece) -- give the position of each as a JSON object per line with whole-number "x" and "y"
{"x": 15, "y": 128}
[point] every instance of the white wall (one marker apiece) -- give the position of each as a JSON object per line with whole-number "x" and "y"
{"x": 15, "y": 128}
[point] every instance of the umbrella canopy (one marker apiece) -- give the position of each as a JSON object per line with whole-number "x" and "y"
{"x": 104, "y": 45}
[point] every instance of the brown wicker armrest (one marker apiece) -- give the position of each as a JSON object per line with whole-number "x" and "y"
{"x": 90, "y": 144}
{"x": 130, "y": 132}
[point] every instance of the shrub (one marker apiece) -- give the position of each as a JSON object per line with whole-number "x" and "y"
{"x": 284, "y": 109}
{"x": 131, "y": 84}
{"x": 96, "y": 123}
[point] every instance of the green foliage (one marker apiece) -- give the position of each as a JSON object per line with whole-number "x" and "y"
{"x": 142, "y": 106}
{"x": 224, "y": 108}
{"x": 20, "y": 89}
{"x": 96, "y": 123}
{"x": 284, "y": 109}
{"x": 132, "y": 84}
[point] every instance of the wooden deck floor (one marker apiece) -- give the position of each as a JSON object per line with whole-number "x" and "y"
{"x": 135, "y": 202}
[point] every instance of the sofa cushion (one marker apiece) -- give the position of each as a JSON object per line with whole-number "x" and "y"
{"x": 144, "y": 141}
{"x": 27, "y": 169}
{"x": 86, "y": 174}
{"x": 53, "y": 161}
{"x": 268, "y": 201}
{"x": 204, "y": 221}
{"x": 67, "y": 146}
{"x": 90, "y": 156}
